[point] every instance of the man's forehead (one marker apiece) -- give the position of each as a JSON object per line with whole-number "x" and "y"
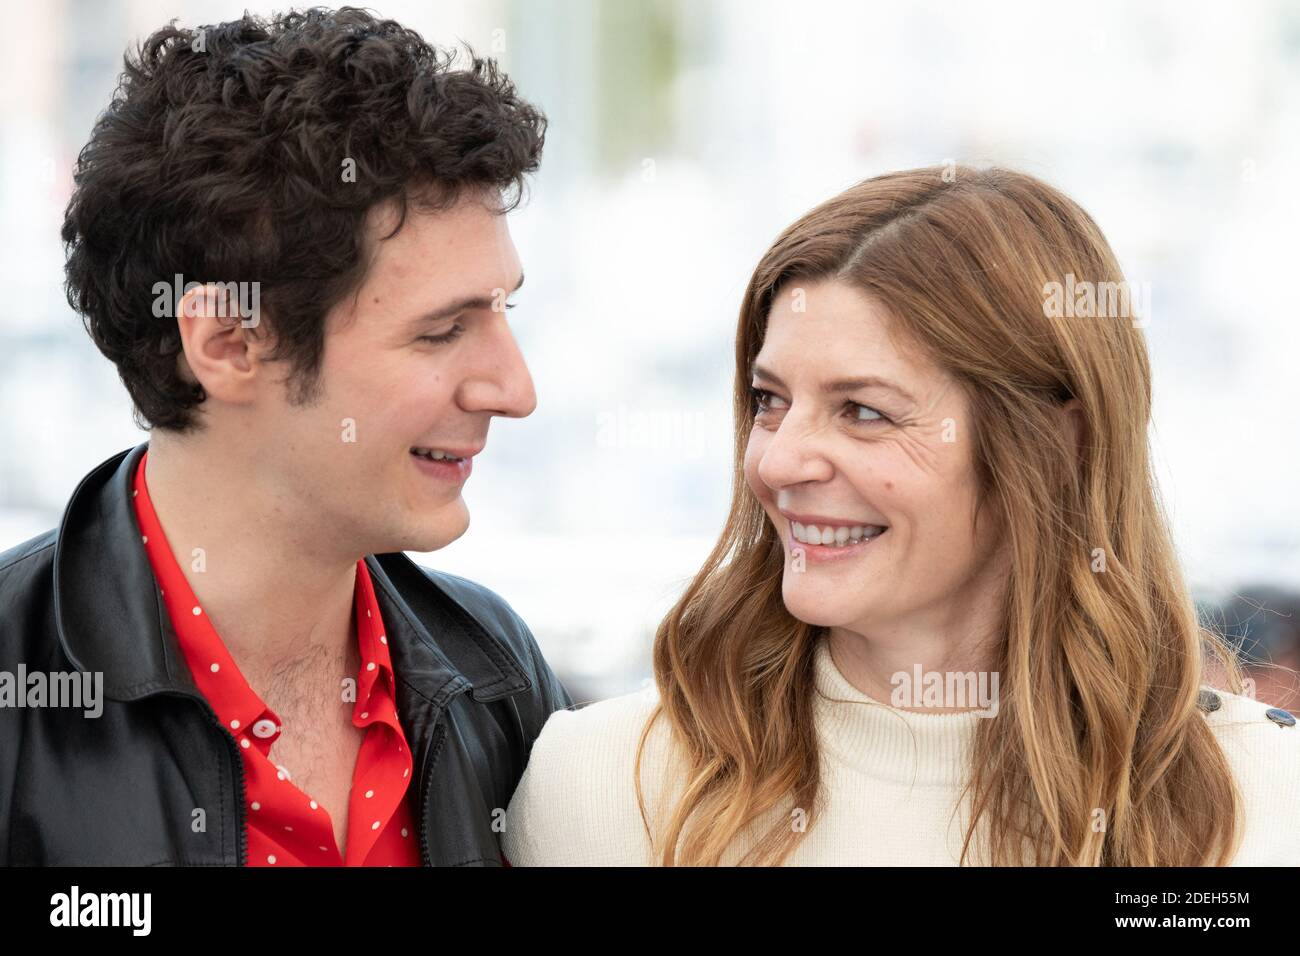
{"x": 459, "y": 250}
{"x": 429, "y": 206}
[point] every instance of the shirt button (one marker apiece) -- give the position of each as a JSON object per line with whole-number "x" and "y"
{"x": 1283, "y": 718}
{"x": 264, "y": 728}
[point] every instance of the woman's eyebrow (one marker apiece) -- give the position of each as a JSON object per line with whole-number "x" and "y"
{"x": 841, "y": 385}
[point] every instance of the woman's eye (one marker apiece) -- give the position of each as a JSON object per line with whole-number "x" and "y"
{"x": 871, "y": 416}
{"x": 862, "y": 414}
{"x": 761, "y": 398}
{"x": 445, "y": 337}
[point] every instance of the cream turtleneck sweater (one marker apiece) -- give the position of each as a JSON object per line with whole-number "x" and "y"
{"x": 891, "y": 783}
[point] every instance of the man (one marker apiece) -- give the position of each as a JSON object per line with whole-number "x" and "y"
{"x": 289, "y": 236}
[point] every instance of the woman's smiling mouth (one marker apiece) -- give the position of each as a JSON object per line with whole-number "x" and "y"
{"x": 823, "y": 539}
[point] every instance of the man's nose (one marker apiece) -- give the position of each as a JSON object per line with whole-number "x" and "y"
{"x": 500, "y": 384}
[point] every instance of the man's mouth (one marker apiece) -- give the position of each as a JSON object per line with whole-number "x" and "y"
{"x": 436, "y": 454}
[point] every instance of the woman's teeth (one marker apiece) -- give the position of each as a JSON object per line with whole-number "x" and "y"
{"x": 811, "y": 534}
{"x": 434, "y": 454}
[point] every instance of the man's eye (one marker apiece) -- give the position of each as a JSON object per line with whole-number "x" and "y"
{"x": 445, "y": 337}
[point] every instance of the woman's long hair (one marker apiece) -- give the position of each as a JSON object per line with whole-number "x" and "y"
{"x": 1103, "y": 653}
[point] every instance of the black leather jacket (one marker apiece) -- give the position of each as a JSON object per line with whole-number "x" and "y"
{"x": 122, "y": 788}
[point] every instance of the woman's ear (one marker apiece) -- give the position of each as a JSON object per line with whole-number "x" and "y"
{"x": 1075, "y": 424}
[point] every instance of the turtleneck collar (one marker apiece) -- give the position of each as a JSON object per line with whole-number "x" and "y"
{"x": 896, "y": 746}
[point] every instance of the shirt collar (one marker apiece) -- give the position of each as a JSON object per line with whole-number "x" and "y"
{"x": 215, "y": 672}
{"x": 110, "y": 617}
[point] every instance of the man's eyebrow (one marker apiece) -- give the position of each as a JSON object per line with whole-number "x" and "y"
{"x": 462, "y": 305}
{"x": 841, "y": 385}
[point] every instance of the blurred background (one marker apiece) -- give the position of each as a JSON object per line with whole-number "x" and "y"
{"x": 684, "y": 135}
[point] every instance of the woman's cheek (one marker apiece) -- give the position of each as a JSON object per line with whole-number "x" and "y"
{"x": 753, "y": 454}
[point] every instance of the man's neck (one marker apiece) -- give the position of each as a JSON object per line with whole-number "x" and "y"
{"x": 264, "y": 573}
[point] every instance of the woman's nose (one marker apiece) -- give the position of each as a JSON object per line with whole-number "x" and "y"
{"x": 793, "y": 454}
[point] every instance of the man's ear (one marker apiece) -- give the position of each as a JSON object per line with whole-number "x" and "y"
{"x": 1075, "y": 425}
{"x": 217, "y": 350}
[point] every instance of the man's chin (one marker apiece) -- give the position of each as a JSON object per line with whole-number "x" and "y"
{"x": 428, "y": 531}
{"x": 433, "y": 542}
{"x": 435, "y": 534}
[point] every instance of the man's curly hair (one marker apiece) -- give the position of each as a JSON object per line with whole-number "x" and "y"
{"x": 222, "y": 158}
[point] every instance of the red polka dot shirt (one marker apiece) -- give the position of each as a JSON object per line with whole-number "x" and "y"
{"x": 284, "y": 825}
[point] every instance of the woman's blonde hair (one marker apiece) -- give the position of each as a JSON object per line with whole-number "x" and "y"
{"x": 1099, "y": 670}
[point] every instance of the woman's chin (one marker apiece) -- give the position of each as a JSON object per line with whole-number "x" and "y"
{"x": 806, "y": 605}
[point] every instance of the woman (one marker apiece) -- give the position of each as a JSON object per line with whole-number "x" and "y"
{"x": 944, "y": 623}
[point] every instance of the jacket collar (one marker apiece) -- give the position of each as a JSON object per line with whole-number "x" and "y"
{"x": 110, "y": 618}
